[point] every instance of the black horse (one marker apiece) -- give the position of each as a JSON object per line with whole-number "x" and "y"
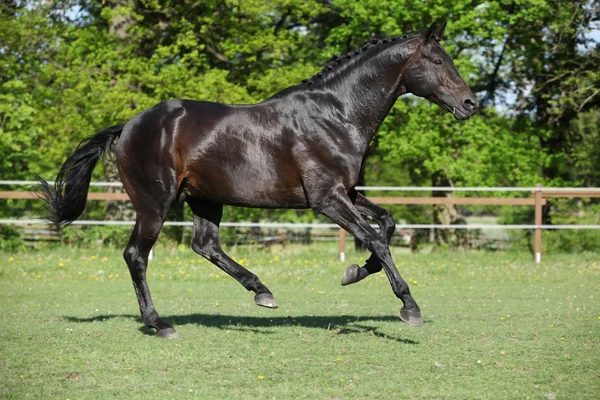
{"x": 302, "y": 148}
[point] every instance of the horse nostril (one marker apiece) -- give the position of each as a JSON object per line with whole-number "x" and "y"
{"x": 470, "y": 104}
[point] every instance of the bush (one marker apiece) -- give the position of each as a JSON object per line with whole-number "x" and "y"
{"x": 113, "y": 235}
{"x": 573, "y": 212}
{"x": 10, "y": 238}
{"x": 563, "y": 212}
{"x": 92, "y": 236}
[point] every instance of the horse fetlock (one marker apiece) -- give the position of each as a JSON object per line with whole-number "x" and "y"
{"x": 151, "y": 319}
{"x": 163, "y": 329}
{"x": 373, "y": 264}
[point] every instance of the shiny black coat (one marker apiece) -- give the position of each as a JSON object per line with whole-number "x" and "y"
{"x": 304, "y": 147}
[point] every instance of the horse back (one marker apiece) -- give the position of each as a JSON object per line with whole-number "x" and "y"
{"x": 238, "y": 155}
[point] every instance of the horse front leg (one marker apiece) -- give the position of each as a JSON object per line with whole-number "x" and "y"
{"x": 387, "y": 226}
{"x": 340, "y": 209}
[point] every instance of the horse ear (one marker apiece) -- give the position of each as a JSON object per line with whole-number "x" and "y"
{"x": 430, "y": 31}
{"x": 434, "y": 33}
{"x": 439, "y": 32}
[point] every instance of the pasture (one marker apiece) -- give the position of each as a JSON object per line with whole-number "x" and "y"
{"x": 496, "y": 326}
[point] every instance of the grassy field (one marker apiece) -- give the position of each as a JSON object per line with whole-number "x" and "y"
{"x": 496, "y": 326}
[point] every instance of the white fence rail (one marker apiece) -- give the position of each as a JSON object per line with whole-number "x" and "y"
{"x": 372, "y": 188}
{"x": 539, "y": 193}
{"x": 301, "y": 225}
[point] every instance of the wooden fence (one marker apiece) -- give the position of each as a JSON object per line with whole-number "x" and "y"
{"x": 537, "y": 200}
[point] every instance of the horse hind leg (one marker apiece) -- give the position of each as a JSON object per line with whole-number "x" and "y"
{"x": 145, "y": 233}
{"x": 152, "y": 203}
{"x": 206, "y": 242}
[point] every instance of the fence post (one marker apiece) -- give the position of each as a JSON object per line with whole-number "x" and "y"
{"x": 538, "y": 222}
{"x": 342, "y": 245}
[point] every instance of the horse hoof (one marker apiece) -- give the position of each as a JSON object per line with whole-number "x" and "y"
{"x": 350, "y": 275}
{"x": 265, "y": 300}
{"x": 411, "y": 317}
{"x": 167, "y": 333}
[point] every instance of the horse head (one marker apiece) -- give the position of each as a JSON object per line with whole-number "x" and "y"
{"x": 430, "y": 73}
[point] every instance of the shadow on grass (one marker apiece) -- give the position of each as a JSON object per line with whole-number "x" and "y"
{"x": 336, "y": 325}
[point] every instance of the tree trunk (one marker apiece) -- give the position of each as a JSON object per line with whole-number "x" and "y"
{"x": 117, "y": 209}
{"x": 121, "y": 23}
{"x": 444, "y": 214}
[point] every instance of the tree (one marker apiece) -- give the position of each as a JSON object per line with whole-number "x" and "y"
{"x": 73, "y": 67}
{"x": 533, "y": 59}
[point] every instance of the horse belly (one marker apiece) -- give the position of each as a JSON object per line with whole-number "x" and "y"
{"x": 231, "y": 157}
{"x": 250, "y": 181}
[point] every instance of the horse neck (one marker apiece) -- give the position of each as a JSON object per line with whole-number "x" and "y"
{"x": 366, "y": 90}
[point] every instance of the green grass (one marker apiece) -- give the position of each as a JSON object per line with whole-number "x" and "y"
{"x": 496, "y": 326}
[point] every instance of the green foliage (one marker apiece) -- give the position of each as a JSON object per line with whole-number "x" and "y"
{"x": 10, "y": 238}
{"x": 584, "y": 148}
{"x": 73, "y": 67}
{"x": 480, "y": 152}
{"x": 114, "y": 236}
{"x": 95, "y": 236}
{"x": 570, "y": 212}
{"x": 562, "y": 212}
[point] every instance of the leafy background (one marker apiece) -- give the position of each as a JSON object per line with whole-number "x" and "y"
{"x": 71, "y": 68}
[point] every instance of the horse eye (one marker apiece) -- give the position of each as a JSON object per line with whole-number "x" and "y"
{"x": 438, "y": 62}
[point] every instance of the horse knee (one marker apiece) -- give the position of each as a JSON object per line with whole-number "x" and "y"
{"x": 134, "y": 260}
{"x": 129, "y": 254}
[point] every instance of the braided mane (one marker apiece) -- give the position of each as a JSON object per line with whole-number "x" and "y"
{"x": 340, "y": 59}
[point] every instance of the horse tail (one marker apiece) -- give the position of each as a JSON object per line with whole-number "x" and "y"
{"x": 65, "y": 201}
